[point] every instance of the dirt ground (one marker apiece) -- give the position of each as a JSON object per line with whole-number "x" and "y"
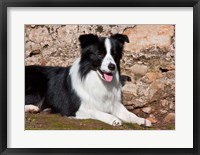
{"x": 46, "y": 121}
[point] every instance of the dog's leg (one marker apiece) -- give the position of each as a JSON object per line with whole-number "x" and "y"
{"x": 31, "y": 108}
{"x": 122, "y": 113}
{"x": 84, "y": 113}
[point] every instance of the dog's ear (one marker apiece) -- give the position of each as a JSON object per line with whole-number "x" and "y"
{"x": 121, "y": 38}
{"x": 88, "y": 39}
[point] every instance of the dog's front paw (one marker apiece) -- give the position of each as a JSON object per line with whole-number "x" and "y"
{"x": 116, "y": 122}
{"x": 31, "y": 109}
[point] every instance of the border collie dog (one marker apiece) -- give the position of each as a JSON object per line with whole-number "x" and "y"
{"x": 90, "y": 88}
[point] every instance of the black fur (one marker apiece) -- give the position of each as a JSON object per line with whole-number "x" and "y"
{"x": 93, "y": 51}
{"x": 52, "y": 86}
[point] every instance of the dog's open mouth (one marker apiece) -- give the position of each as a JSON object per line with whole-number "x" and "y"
{"x": 105, "y": 76}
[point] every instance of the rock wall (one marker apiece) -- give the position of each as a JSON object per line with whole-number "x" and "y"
{"x": 149, "y": 61}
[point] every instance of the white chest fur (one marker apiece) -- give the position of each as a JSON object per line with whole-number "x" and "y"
{"x": 94, "y": 92}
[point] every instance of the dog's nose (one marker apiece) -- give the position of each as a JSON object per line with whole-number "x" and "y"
{"x": 111, "y": 66}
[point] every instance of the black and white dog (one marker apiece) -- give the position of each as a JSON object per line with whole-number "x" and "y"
{"x": 90, "y": 88}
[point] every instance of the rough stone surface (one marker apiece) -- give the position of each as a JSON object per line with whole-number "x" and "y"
{"x": 149, "y": 60}
{"x": 170, "y": 117}
{"x": 153, "y": 120}
{"x": 146, "y": 110}
{"x": 58, "y": 44}
{"x": 148, "y": 36}
{"x": 139, "y": 69}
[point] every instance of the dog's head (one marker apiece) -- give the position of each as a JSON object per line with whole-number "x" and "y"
{"x": 101, "y": 54}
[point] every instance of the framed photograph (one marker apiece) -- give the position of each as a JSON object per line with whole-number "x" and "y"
{"x": 109, "y": 77}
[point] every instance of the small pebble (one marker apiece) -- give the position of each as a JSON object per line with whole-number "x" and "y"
{"x": 152, "y": 120}
{"x": 169, "y": 118}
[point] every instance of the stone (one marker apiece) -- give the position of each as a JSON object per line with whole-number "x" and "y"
{"x": 152, "y": 120}
{"x": 152, "y": 116}
{"x": 152, "y": 76}
{"x": 39, "y": 35}
{"x": 35, "y": 52}
{"x": 129, "y": 107}
{"x": 28, "y": 46}
{"x": 143, "y": 89}
{"x": 172, "y": 106}
{"x": 147, "y": 110}
{"x": 43, "y": 62}
{"x": 134, "y": 103}
{"x": 129, "y": 92}
{"x": 170, "y": 67}
{"x": 139, "y": 69}
{"x": 146, "y": 36}
{"x": 126, "y": 98}
{"x": 136, "y": 111}
{"x": 138, "y": 103}
{"x": 35, "y": 47}
{"x": 162, "y": 111}
{"x": 169, "y": 118}
{"x": 130, "y": 88}
{"x": 164, "y": 103}
{"x": 171, "y": 74}
{"x": 156, "y": 91}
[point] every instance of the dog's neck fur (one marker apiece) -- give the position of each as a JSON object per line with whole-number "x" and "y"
{"x": 94, "y": 89}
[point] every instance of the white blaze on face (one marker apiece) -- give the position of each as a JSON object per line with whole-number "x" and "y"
{"x": 107, "y": 45}
{"x": 108, "y": 57}
{"x": 107, "y": 74}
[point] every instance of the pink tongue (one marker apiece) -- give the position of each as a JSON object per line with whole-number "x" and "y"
{"x": 107, "y": 77}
